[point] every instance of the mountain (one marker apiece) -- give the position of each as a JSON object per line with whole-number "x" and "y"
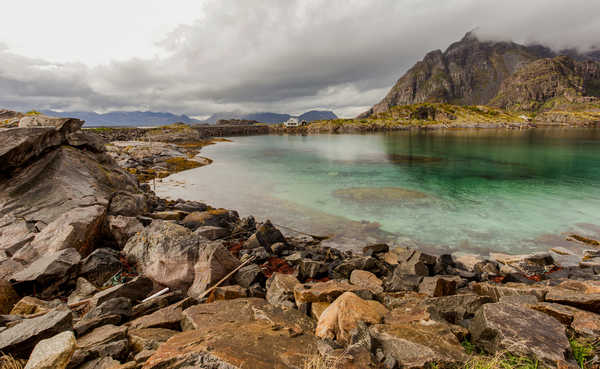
{"x": 124, "y": 118}
{"x": 273, "y": 118}
{"x": 473, "y": 72}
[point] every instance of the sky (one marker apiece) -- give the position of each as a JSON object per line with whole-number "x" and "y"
{"x": 208, "y": 56}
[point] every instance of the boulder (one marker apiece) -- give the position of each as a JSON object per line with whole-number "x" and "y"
{"x": 343, "y": 315}
{"x": 101, "y": 363}
{"x": 8, "y": 297}
{"x": 137, "y": 289}
{"x": 83, "y": 290}
{"x": 520, "y": 331}
{"x": 368, "y": 280}
{"x": 87, "y": 325}
{"x": 496, "y": 291}
{"x": 30, "y": 305}
{"x": 105, "y": 341}
{"x": 156, "y": 303}
{"x": 280, "y": 290}
{"x": 48, "y": 273}
{"x": 419, "y": 344}
{"x": 166, "y": 253}
{"x": 53, "y": 353}
{"x": 311, "y": 269}
{"x": 215, "y": 218}
{"x": 265, "y": 236}
{"x": 379, "y": 248}
{"x": 324, "y": 291}
{"x": 21, "y": 339}
{"x": 582, "y": 295}
{"x": 581, "y": 322}
{"x": 212, "y": 233}
{"x": 148, "y": 338}
{"x": 343, "y": 269}
{"x": 66, "y": 125}
{"x": 457, "y": 308}
{"x": 129, "y": 204}
{"x": 400, "y": 281}
{"x": 241, "y": 333}
{"x": 169, "y": 317}
{"x": 519, "y": 300}
{"x": 248, "y": 275}
{"x": 122, "y": 228}
{"x": 214, "y": 263}
{"x": 100, "y": 266}
{"x": 20, "y": 145}
{"x": 120, "y": 306}
{"x": 228, "y": 293}
{"x": 439, "y": 286}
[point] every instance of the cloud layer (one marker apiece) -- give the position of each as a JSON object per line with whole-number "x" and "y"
{"x": 288, "y": 56}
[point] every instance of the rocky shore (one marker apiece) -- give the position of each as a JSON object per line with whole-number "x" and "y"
{"x": 97, "y": 272}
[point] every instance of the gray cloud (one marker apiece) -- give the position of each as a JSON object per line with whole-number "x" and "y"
{"x": 290, "y": 56}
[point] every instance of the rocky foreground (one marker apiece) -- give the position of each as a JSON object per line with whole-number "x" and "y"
{"x": 96, "y": 272}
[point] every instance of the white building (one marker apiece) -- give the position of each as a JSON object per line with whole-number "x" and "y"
{"x": 293, "y": 122}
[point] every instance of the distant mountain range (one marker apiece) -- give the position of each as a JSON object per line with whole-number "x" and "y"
{"x": 273, "y": 118}
{"x": 501, "y": 74}
{"x": 148, "y": 118}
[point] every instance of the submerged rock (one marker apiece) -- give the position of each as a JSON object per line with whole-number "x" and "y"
{"x": 379, "y": 195}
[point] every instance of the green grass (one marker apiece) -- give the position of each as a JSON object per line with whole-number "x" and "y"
{"x": 582, "y": 352}
{"x": 33, "y": 112}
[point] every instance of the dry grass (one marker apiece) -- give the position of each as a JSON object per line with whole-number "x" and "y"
{"x": 9, "y": 362}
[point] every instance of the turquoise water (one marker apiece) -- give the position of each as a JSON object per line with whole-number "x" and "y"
{"x": 501, "y": 190}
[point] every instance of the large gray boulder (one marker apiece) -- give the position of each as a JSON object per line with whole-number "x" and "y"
{"x": 166, "y": 253}
{"x": 20, "y": 339}
{"x": 214, "y": 263}
{"x": 48, "y": 273}
{"x": 521, "y": 331}
{"x": 53, "y": 353}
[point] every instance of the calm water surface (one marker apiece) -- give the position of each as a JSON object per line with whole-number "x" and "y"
{"x": 481, "y": 190}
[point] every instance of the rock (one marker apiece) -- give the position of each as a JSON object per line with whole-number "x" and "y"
{"x": 87, "y": 325}
{"x": 520, "y": 331}
{"x": 137, "y": 289}
{"x": 100, "y": 266}
{"x": 323, "y": 291}
{"x": 368, "y": 280}
{"x": 148, "y": 338}
{"x": 48, "y": 273}
{"x": 582, "y": 295}
{"x": 53, "y": 353}
{"x": 101, "y": 363}
{"x": 128, "y": 204}
{"x": 78, "y": 229}
{"x": 378, "y": 248}
{"x": 21, "y": 339}
{"x": 496, "y": 291}
{"x": 317, "y": 308}
{"x": 122, "y": 228}
{"x": 214, "y": 263}
{"x": 228, "y": 293}
{"x": 212, "y": 233}
{"x": 343, "y": 315}
{"x": 30, "y": 305}
{"x": 169, "y": 215}
{"x": 66, "y": 125}
{"x": 215, "y": 218}
{"x": 248, "y": 275}
{"x": 280, "y": 290}
{"x": 581, "y": 322}
{"x": 402, "y": 282}
{"x": 456, "y": 308}
{"x": 106, "y": 341}
{"x": 83, "y": 290}
{"x": 345, "y": 268}
{"x": 438, "y": 286}
{"x": 156, "y": 303}
{"x": 20, "y": 145}
{"x": 8, "y": 297}
{"x": 474, "y": 263}
{"x": 120, "y": 306}
{"x": 519, "y": 300}
{"x": 265, "y": 236}
{"x": 419, "y": 344}
{"x": 166, "y": 253}
{"x": 251, "y": 334}
{"x": 311, "y": 269}
{"x": 169, "y": 317}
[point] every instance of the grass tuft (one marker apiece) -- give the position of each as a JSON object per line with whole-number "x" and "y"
{"x": 9, "y": 362}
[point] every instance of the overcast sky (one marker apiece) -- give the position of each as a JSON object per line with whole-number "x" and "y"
{"x": 201, "y": 57}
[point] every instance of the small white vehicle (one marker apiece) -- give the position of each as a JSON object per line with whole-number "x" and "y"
{"x": 293, "y": 122}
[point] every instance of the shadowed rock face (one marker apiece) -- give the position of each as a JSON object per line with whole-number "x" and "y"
{"x": 55, "y": 188}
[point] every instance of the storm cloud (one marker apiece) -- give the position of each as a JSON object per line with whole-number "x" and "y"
{"x": 287, "y": 56}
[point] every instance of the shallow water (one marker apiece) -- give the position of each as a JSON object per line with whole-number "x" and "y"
{"x": 470, "y": 190}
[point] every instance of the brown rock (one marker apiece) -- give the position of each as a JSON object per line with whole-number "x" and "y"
{"x": 322, "y": 291}
{"x": 156, "y": 303}
{"x": 496, "y": 291}
{"x": 53, "y": 353}
{"x": 137, "y": 289}
{"x": 169, "y": 317}
{"x": 317, "y": 308}
{"x": 220, "y": 312}
{"x": 228, "y": 293}
{"x": 582, "y": 322}
{"x": 438, "y": 286}
{"x": 520, "y": 331}
{"x": 343, "y": 315}
{"x": 30, "y": 305}
{"x": 214, "y": 263}
{"x": 106, "y": 341}
{"x": 368, "y": 280}
{"x": 148, "y": 338}
{"x": 280, "y": 289}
